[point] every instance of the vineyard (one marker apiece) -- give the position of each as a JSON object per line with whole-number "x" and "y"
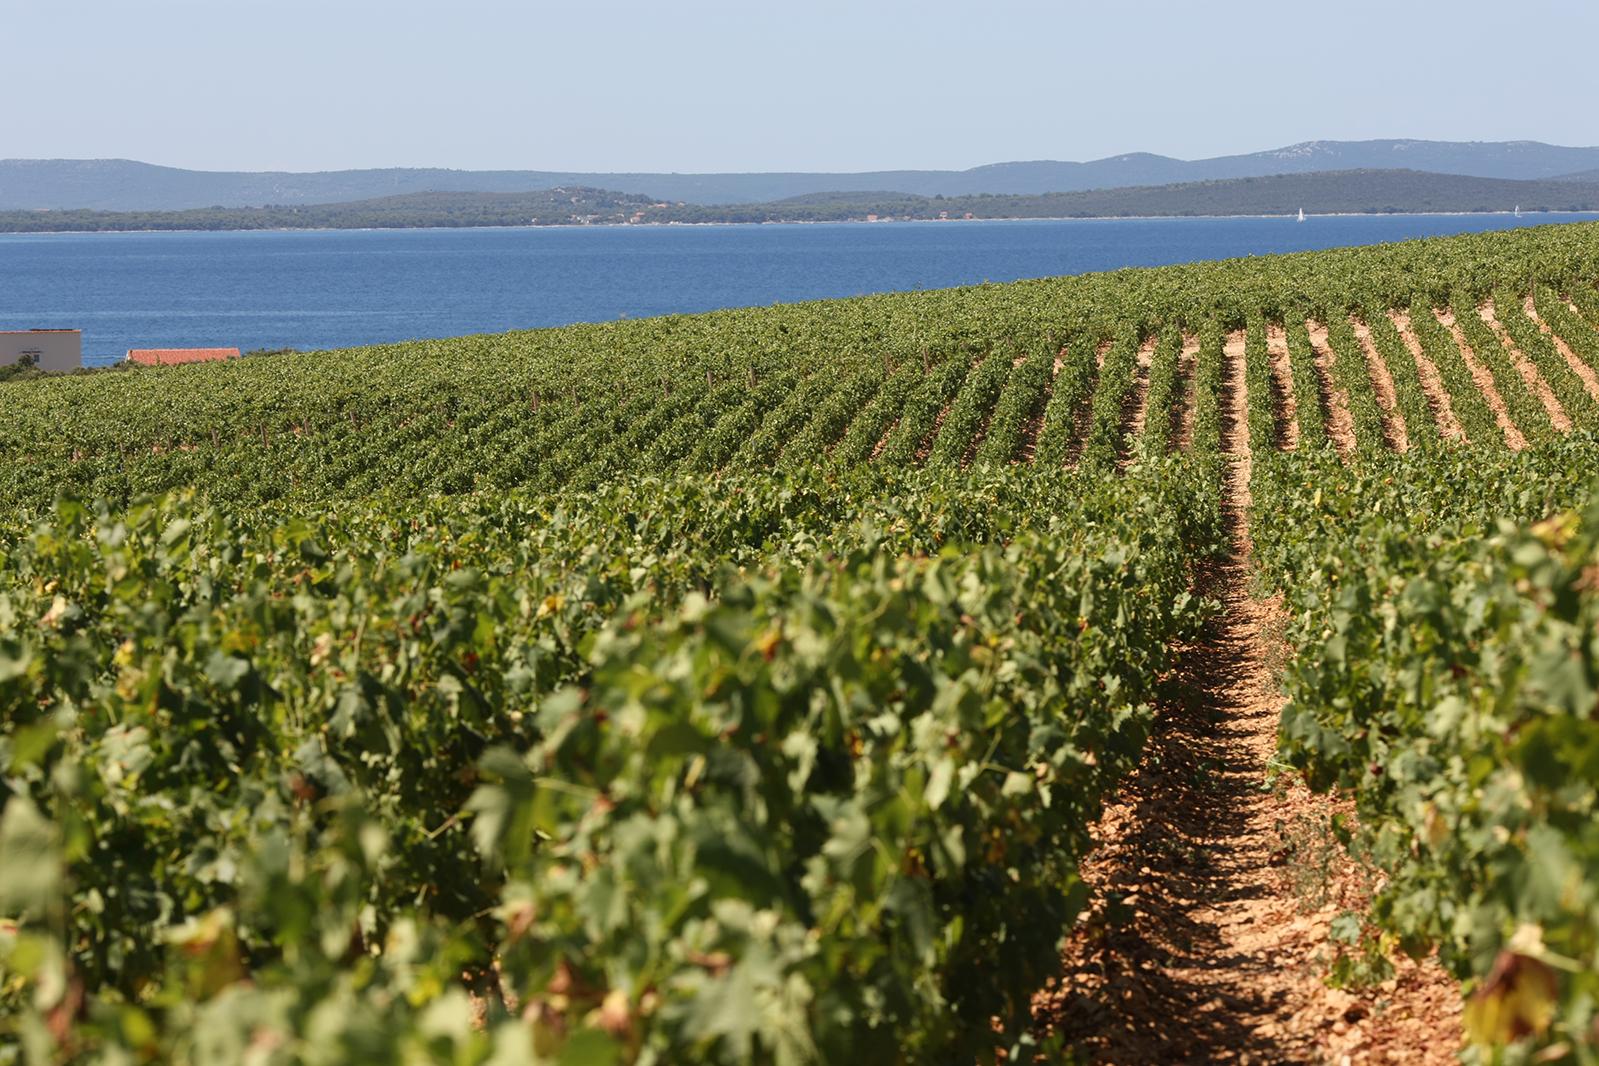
{"x": 751, "y": 687}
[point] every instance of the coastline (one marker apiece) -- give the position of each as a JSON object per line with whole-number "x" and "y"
{"x": 1533, "y": 215}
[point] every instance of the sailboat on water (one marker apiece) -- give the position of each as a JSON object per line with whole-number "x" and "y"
{"x": 1518, "y": 210}
{"x": 1301, "y": 214}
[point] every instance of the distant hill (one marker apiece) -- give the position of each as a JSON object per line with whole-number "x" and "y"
{"x": 123, "y": 185}
{"x": 1585, "y": 175}
{"x": 1327, "y": 192}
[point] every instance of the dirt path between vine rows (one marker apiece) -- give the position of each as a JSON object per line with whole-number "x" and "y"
{"x": 1187, "y": 364}
{"x": 1340, "y": 422}
{"x": 1135, "y": 407}
{"x": 1208, "y": 940}
{"x": 1284, "y": 408}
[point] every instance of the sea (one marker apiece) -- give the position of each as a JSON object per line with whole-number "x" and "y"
{"x": 341, "y": 288}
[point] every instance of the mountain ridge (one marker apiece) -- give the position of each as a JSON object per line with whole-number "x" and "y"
{"x": 131, "y": 185}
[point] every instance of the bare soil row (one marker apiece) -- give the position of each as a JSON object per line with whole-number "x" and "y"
{"x": 1214, "y": 886}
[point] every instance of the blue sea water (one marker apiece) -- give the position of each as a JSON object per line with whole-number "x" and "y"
{"x": 331, "y": 289}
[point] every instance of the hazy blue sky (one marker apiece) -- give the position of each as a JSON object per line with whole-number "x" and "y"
{"x": 703, "y": 85}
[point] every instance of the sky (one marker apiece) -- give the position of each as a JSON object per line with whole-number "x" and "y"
{"x": 706, "y": 85}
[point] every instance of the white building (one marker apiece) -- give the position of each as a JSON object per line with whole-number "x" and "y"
{"x": 51, "y": 349}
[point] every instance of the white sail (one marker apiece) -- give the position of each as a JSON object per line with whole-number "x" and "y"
{"x": 1301, "y": 214}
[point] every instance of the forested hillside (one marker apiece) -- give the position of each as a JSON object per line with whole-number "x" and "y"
{"x": 1334, "y": 192}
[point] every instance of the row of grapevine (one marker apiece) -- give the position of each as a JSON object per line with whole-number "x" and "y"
{"x": 1447, "y": 678}
{"x": 852, "y": 780}
{"x": 1264, "y": 433}
{"x": 1107, "y": 417}
{"x": 1161, "y": 397}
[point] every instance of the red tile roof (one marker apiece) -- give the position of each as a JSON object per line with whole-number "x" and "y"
{"x": 173, "y": 356}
